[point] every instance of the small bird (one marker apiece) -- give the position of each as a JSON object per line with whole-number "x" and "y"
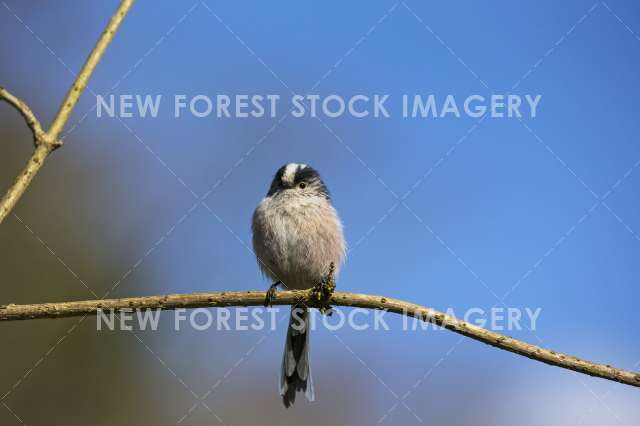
{"x": 297, "y": 237}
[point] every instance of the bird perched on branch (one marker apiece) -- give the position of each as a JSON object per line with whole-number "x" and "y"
{"x": 298, "y": 242}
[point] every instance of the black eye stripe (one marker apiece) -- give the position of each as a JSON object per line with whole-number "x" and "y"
{"x": 310, "y": 176}
{"x": 306, "y": 174}
{"x": 280, "y": 173}
{"x": 277, "y": 181}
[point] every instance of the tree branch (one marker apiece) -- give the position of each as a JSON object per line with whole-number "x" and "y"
{"x": 255, "y": 298}
{"x": 27, "y": 114}
{"x": 46, "y": 142}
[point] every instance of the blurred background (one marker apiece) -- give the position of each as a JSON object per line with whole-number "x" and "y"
{"x": 541, "y": 212}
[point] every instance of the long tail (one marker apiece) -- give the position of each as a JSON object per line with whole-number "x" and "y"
{"x": 295, "y": 375}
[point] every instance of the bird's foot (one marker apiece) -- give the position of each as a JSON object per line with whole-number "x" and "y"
{"x": 271, "y": 294}
{"x": 321, "y": 293}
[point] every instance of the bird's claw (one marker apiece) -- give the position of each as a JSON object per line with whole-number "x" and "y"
{"x": 271, "y": 294}
{"x": 321, "y": 293}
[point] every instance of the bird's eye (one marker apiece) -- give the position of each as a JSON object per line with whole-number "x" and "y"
{"x": 302, "y": 185}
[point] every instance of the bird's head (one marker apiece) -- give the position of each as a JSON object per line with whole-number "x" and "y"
{"x": 297, "y": 180}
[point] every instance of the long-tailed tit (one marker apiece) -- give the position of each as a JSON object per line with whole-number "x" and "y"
{"x": 297, "y": 235}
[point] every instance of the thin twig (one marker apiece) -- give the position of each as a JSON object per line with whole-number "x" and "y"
{"x": 256, "y": 298}
{"x": 27, "y": 114}
{"x": 46, "y": 142}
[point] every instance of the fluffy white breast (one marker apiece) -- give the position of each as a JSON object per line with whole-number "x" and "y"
{"x": 296, "y": 238}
